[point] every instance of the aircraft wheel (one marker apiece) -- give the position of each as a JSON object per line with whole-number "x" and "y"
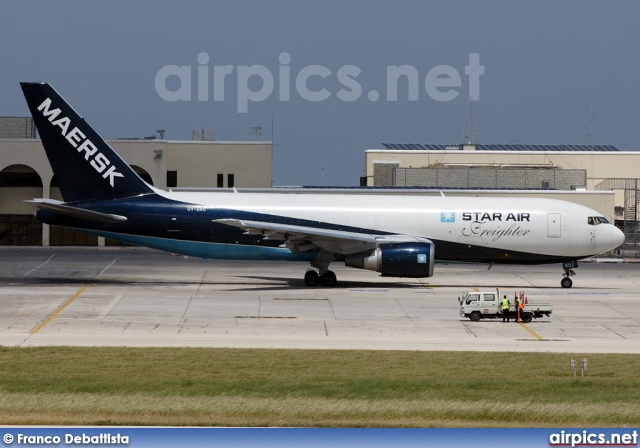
{"x": 566, "y": 282}
{"x": 311, "y": 278}
{"x": 329, "y": 279}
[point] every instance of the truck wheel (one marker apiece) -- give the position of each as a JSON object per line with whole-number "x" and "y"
{"x": 475, "y": 316}
{"x": 526, "y": 317}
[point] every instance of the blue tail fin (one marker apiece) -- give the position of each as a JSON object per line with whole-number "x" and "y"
{"x": 85, "y": 166}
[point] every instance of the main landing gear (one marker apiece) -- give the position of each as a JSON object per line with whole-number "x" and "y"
{"x": 325, "y": 277}
{"x": 568, "y": 266}
{"x": 312, "y": 278}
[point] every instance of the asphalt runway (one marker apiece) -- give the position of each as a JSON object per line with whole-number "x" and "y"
{"x": 141, "y": 297}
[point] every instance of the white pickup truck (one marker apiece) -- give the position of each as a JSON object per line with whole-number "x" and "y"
{"x": 488, "y": 305}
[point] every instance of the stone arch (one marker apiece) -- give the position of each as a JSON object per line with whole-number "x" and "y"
{"x": 16, "y": 176}
{"x": 18, "y": 226}
{"x": 144, "y": 174}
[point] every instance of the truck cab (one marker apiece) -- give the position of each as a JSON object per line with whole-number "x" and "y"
{"x": 475, "y": 305}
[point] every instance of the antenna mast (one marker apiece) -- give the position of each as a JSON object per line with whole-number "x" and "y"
{"x": 471, "y": 125}
{"x": 591, "y": 114}
{"x": 256, "y": 131}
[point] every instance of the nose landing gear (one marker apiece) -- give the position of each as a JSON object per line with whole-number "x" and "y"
{"x": 568, "y": 266}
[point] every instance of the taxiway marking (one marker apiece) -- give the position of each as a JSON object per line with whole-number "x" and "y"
{"x": 110, "y": 307}
{"x": 38, "y": 267}
{"x": 533, "y": 333}
{"x": 56, "y": 312}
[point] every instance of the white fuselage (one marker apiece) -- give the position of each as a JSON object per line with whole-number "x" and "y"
{"x": 530, "y": 225}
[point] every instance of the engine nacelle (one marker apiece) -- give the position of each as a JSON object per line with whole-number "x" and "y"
{"x": 411, "y": 259}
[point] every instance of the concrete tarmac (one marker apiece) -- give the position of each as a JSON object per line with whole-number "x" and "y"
{"x": 141, "y": 297}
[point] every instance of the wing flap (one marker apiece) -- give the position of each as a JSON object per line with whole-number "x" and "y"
{"x": 334, "y": 241}
{"x": 291, "y": 232}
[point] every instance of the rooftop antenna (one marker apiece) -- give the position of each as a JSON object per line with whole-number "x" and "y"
{"x": 256, "y": 131}
{"x": 471, "y": 125}
{"x": 591, "y": 114}
{"x": 201, "y": 136}
{"x": 467, "y": 137}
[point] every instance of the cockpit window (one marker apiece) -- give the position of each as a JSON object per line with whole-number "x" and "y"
{"x": 595, "y": 220}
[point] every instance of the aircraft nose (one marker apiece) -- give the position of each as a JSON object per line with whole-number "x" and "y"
{"x": 617, "y": 237}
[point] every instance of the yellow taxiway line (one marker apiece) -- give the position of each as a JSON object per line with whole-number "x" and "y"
{"x": 56, "y": 312}
{"x": 533, "y": 333}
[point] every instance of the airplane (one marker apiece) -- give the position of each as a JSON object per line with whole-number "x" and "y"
{"x": 395, "y": 235}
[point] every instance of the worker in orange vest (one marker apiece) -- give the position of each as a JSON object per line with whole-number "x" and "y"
{"x": 520, "y": 308}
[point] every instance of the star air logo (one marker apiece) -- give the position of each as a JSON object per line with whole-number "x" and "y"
{"x": 448, "y": 216}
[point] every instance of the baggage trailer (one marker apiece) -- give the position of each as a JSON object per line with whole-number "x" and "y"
{"x": 478, "y": 305}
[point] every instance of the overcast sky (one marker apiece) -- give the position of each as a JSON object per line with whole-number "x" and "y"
{"x": 543, "y": 62}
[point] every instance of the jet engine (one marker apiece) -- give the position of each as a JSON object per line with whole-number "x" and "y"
{"x": 410, "y": 259}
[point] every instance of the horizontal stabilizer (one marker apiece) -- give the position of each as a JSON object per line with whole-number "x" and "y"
{"x": 60, "y": 207}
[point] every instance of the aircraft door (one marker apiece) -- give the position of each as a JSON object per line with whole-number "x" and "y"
{"x": 553, "y": 225}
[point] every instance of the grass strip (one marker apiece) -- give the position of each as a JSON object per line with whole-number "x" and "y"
{"x": 238, "y": 387}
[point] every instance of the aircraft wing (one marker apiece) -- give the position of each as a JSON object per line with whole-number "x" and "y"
{"x": 75, "y": 212}
{"x": 303, "y": 238}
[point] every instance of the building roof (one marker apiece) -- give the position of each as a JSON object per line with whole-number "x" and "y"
{"x": 519, "y": 147}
